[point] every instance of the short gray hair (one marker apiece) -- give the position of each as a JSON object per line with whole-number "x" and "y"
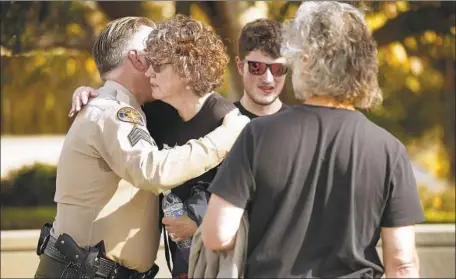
{"x": 332, "y": 53}
{"x": 114, "y": 40}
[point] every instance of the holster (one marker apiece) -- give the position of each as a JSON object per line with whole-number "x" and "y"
{"x": 82, "y": 261}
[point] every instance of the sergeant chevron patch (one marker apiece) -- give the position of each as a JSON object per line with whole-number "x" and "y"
{"x": 136, "y": 134}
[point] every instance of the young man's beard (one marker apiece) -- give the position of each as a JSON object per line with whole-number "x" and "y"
{"x": 260, "y": 102}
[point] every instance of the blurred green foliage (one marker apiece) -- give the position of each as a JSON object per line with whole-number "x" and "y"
{"x": 26, "y": 218}
{"x": 28, "y": 197}
{"x": 29, "y": 186}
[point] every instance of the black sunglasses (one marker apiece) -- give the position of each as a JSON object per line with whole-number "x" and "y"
{"x": 259, "y": 68}
{"x": 156, "y": 66}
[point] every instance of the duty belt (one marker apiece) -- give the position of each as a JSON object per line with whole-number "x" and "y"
{"x": 104, "y": 267}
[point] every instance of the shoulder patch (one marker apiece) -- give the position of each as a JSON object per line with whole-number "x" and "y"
{"x": 127, "y": 114}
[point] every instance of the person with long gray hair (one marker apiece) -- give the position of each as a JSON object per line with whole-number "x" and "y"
{"x": 320, "y": 183}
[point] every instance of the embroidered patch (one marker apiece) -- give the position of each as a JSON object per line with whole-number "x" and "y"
{"x": 127, "y": 114}
{"x": 138, "y": 134}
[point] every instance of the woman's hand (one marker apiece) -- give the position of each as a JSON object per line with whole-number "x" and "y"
{"x": 179, "y": 228}
{"x": 81, "y": 97}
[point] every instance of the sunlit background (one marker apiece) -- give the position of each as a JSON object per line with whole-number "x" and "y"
{"x": 45, "y": 56}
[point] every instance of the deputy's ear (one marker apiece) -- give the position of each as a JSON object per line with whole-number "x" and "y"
{"x": 138, "y": 62}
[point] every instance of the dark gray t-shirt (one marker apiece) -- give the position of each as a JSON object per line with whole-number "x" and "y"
{"x": 319, "y": 184}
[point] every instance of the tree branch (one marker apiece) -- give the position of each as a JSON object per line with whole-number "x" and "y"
{"x": 412, "y": 23}
{"x": 224, "y": 19}
{"x": 64, "y": 50}
{"x": 82, "y": 45}
{"x": 183, "y": 7}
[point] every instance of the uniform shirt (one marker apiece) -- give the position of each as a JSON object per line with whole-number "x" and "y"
{"x": 250, "y": 115}
{"x": 321, "y": 182}
{"x": 108, "y": 150}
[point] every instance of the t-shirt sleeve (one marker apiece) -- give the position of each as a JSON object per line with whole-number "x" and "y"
{"x": 220, "y": 108}
{"x": 235, "y": 181}
{"x": 403, "y": 207}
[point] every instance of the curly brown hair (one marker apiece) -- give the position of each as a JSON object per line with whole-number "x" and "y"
{"x": 261, "y": 34}
{"x": 196, "y": 52}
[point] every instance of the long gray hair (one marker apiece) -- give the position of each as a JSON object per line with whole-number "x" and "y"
{"x": 332, "y": 53}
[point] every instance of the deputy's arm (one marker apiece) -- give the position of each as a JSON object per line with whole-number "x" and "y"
{"x": 131, "y": 152}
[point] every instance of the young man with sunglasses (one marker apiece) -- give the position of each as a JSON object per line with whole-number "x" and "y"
{"x": 262, "y": 68}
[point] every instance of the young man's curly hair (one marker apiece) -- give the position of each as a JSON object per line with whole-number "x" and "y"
{"x": 262, "y": 34}
{"x": 196, "y": 52}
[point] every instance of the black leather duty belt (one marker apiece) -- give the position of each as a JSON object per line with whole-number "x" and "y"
{"x": 105, "y": 268}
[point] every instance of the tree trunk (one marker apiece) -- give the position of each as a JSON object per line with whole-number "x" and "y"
{"x": 224, "y": 16}
{"x": 449, "y": 109}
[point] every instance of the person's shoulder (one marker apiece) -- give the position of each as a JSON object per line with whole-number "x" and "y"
{"x": 273, "y": 123}
{"x": 118, "y": 111}
{"x": 96, "y": 108}
{"x": 219, "y": 105}
{"x": 104, "y": 103}
{"x": 283, "y": 115}
{"x": 381, "y": 137}
{"x": 218, "y": 100}
{"x": 284, "y": 107}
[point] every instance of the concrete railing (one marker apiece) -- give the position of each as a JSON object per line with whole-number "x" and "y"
{"x": 435, "y": 243}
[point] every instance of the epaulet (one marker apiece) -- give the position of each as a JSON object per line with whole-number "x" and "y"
{"x": 105, "y": 102}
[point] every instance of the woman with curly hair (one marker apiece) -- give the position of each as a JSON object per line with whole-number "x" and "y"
{"x": 188, "y": 60}
{"x": 187, "y": 63}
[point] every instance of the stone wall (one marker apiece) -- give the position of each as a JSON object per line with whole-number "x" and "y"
{"x": 436, "y": 249}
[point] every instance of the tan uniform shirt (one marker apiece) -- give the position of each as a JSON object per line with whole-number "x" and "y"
{"x": 110, "y": 169}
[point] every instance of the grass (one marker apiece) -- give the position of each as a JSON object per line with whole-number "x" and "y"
{"x": 26, "y": 218}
